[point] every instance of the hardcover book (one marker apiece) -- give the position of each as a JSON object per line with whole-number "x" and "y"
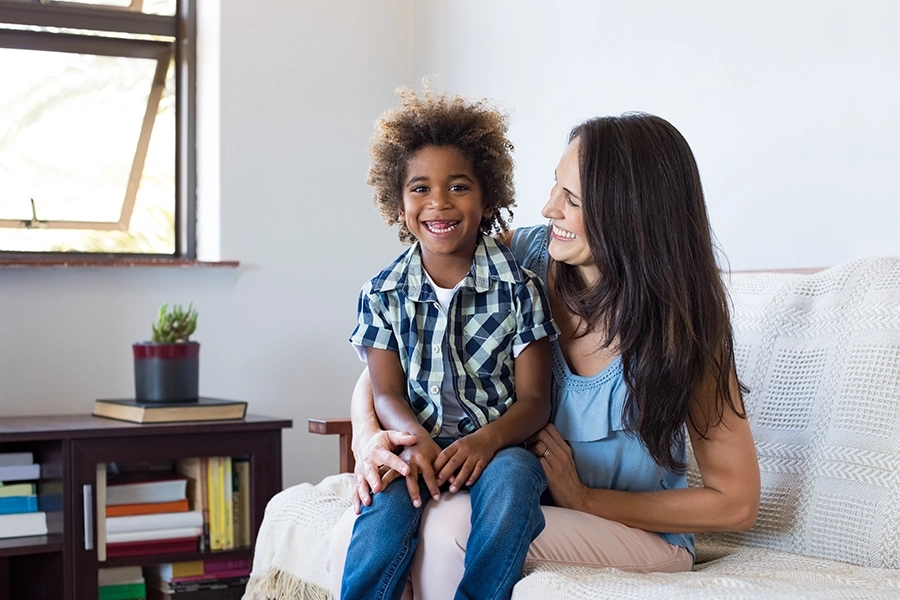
{"x": 16, "y": 458}
{"x": 18, "y": 504}
{"x": 203, "y": 409}
{"x": 147, "y": 547}
{"x": 16, "y": 525}
{"x": 20, "y": 472}
{"x": 144, "y": 488}
{"x": 154, "y": 521}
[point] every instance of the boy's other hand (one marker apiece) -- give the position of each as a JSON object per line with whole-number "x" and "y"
{"x": 463, "y": 461}
{"x": 420, "y": 457}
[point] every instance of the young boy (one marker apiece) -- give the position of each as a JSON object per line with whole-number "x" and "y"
{"x": 456, "y": 337}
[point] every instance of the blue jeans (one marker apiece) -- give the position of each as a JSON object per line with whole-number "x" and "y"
{"x": 506, "y": 518}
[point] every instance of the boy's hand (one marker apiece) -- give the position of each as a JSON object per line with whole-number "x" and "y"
{"x": 420, "y": 457}
{"x": 462, "y": 462}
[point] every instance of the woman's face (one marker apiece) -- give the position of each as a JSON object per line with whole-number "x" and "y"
{"x": 568, "y": 242}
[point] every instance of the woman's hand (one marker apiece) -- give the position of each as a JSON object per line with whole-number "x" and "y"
{"x": 377, "y": 463}
{"x": 555, "y": 455}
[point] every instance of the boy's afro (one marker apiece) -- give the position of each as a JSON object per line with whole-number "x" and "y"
{"x": 475, "y": 128}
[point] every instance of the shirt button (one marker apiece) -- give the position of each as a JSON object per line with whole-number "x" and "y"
{"x": 436, "y": 348}
{"x": 435, "y": 389}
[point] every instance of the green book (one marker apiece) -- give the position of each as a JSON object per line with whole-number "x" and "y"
{"x": 124, "y": 591}
{"x": 17, "y": 489}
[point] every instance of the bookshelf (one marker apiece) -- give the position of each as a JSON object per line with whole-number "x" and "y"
{"x": 63, "y": 564}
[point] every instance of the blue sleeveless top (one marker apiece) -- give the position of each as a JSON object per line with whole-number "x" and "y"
{"x": 587, "y": 411}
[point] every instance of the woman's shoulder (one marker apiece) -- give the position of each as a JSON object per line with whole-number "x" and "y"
{"x": 529, "y": 245}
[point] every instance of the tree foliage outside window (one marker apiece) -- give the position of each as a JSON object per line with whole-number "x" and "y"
{"x": 94, "y": 127}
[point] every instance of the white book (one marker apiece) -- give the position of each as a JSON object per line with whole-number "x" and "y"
{"x": 119, "y": 575}
{"x": 155, "y": 534}
{"x": 139, "y": 492}
{"x": 154, "y": 521}
{"x": 21, "y": 524}
{"x": 16, "y": 458}
{"x": 20, "y": 472}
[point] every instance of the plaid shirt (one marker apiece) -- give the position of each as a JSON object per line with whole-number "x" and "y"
{"x": 498, "y": 304}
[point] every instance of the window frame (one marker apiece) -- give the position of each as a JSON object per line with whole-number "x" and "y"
{"x": 182, "y": 27}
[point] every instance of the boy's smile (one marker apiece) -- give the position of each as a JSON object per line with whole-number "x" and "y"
{"x": 443, "y": 209}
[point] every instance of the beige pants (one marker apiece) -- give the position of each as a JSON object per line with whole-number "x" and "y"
{"x": 570, "y": 537}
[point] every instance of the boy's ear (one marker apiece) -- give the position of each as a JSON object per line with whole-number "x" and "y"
{"x": 487, "y": 212}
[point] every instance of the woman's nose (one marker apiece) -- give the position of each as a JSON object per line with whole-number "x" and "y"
{"x": 551, "y": 210}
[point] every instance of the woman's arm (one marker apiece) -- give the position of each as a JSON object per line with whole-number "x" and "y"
{"x": 372, "y": 446}
{"x": 726, "y": 457}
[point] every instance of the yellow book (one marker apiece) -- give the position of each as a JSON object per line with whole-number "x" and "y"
{"x": 214, "y": 489}
{"x": 228, "y": 502}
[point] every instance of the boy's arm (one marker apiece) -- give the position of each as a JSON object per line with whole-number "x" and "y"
{"x": 394, "y": 412}
{"x": 463, "y": 461}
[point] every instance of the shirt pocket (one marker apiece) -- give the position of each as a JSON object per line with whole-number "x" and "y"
{"x": 488, "y": 343}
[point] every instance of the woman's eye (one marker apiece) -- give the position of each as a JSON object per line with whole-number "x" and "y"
{"x": 571, "y": 201}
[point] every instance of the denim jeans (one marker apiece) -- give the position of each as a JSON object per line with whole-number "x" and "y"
{"x": 506, "y": 518}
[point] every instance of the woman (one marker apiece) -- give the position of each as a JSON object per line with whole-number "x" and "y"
{"x": 644, "y": 362}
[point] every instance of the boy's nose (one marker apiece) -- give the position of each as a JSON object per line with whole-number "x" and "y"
{"x": 440, "y": 199}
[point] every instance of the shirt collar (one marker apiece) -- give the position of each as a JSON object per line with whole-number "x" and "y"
{"x": 492, "y": 261}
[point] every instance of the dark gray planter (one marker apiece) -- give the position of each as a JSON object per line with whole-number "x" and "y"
{"x": 166, "y": 372}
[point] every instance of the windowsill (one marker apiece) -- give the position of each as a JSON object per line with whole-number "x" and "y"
{"x": 113, "y": 262}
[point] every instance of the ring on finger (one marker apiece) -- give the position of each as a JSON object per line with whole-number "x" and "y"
{"x": 546, "y": 453}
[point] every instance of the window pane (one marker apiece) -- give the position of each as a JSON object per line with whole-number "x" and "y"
{"x": 156, "y": 7}
{"x": 71, "y": 126}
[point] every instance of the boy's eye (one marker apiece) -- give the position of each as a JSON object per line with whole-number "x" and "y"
{"x": 458, "y": 187}
{"x": 419, "y": 189}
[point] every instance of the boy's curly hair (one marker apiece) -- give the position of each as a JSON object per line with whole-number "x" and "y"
{"x": 475, "y": 128}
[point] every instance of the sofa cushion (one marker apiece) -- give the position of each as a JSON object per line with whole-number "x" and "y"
{"x": 821, "y": 355}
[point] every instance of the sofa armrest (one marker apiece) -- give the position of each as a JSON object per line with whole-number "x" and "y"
{"x": 344, "y": 431}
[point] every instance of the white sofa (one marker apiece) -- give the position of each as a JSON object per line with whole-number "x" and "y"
{"x": 821, "y": 354}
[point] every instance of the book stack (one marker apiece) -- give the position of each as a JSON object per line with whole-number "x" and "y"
{"x": 219, "y": 488}
{"x": 148, "y": 513}
{"x": 210, "y": 579}
{"x": 19, "y": 514}
{"x": 121, "y": 583}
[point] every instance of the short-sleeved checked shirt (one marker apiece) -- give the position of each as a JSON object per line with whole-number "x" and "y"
{"x": 497, "y": 305}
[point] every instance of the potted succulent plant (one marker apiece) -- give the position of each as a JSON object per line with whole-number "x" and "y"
{"x": 167, "y": 369}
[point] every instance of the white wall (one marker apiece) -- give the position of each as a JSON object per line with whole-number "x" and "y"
{"x": 301, "y": 84}
{"x": 791, "y": 108}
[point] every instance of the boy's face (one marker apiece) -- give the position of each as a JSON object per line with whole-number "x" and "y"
{"x": 442, "y": 203}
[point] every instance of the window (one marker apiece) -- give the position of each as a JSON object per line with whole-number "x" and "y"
{"x": 96, "y": 128}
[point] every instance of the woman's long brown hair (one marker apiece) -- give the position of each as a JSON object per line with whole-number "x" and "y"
{"x": 660, "y": 299}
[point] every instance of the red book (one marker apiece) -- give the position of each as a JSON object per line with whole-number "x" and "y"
{"x": 152, "y": 547}
{"x": 214, "y": 566}
{"x": 123, "y": 510}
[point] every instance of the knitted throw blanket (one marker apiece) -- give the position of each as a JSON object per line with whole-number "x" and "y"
{"x": 821, "y": 356}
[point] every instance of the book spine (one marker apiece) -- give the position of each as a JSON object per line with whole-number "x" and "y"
{"x": 228, "y": 489}
{"x": 18, "y": 504}
{"x": 243, "y": 469}
{"x": 216, "y": 541}
{"x": 204, "y": 499}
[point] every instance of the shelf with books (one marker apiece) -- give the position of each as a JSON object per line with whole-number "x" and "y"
{"x": 32, "y": 517}
{"x": 31, "y": 492}
{"x": 187, "y": 458}
{"x": 73, "y": 451}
